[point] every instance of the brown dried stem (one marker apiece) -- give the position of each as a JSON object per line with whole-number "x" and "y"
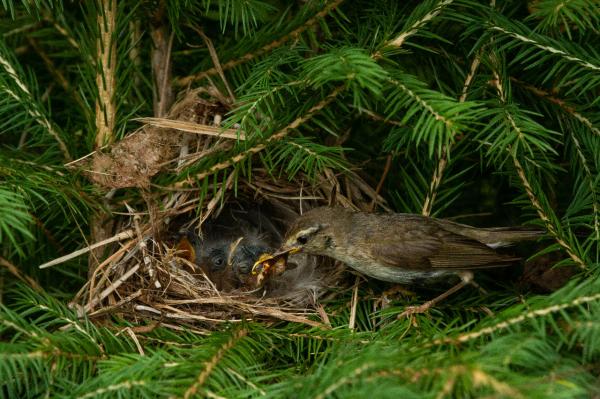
{"x": 56, "y": 73}
{"x": 18, "y": 274}
{"x": 161, "y": 65}
{"x": 106, "y": 76}
{"x": 215, "y": 59}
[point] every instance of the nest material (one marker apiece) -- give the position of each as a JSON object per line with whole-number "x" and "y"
{"x": 146, "y": 278}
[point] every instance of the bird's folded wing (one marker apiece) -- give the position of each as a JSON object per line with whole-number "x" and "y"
{"x": 422, "y": 249}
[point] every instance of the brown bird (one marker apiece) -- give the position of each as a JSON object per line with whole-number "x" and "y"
{"x": 402, "y": 248}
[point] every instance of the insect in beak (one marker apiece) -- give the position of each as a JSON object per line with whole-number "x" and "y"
{"x": 277, "y": 260}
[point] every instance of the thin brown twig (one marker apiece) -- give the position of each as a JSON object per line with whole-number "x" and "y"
{"x": 115, "y": 257}
{"x": 57, "y": 73}
{"x": 377, "y": 117}
{"x": 215, "y": 59}
{"x": 386, "y": 170}
{"x": 161, "y": 65}
{"x": 18, "y": 274}
{"x": 111, "y": 288}
{"x": 118, "y": 237}
{"x": 263, "y": 50}
{"x": 353, "y": 305}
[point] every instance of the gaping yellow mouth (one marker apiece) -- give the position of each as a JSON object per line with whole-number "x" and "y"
{"x": 267, "y": 261}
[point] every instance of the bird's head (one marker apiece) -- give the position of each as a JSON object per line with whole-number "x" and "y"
{"x": 312, "y": 232}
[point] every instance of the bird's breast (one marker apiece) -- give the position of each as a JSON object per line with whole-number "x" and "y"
{"x": 393, "y": 274}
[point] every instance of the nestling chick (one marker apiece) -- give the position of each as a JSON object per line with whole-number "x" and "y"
{"x": 227, "y": 261}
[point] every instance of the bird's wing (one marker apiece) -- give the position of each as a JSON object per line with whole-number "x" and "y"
{"x": 423, "y": 244}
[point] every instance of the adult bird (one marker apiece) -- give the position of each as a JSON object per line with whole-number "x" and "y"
{"x": 402, "y": 248}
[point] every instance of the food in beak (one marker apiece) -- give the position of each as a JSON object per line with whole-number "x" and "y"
{"x": 269, "y": 265}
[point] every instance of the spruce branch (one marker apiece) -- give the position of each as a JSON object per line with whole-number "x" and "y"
{"x": 50, "y": 18}
{"x": 438, "y": 173}
{"x": 570, "y": 109}
{"x": 293, "y": 35}
{"x": 106, "y": 79}
{"x": 23, "y": 96}
{"x": 436, "y": 118}
{"x": 531, "y": 315}
{"x": 417, "y": 25}
{"x": 573, "y": 66}
{"x": 347, "y": 379}
{"x": 566, "y": 16}
{"x": 125, "y": 385}
{"x": 212, "y": 363}
{"x": 591, "y": 183}
{"x": 57, "y": 73}
{"x": 544, "y": 214}
{"x": 558, "y": 236}
{"x": 547, "y": 47}
{"x": 260, "y": 147}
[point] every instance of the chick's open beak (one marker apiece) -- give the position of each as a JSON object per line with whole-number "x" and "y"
{"x": 266, "y": 261}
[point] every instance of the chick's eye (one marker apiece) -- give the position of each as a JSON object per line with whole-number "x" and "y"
{"x": 218, "y": 261}
{"x": 302, "y": 239}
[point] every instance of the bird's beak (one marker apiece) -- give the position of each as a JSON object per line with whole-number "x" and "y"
{"x": 267, "y": 260}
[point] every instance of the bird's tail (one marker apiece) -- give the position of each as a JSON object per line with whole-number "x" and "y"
{"x": 495, "y": 237}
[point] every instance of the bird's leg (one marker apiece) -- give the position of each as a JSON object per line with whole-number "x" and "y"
{"x": 466, "y": 279}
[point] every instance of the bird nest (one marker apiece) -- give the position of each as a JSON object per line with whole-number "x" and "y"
{"x": 155, "y": 272}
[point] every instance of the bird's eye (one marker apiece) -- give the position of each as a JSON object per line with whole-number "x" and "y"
{"x": 302, "y": 239}
{"x": 218, "y": 261}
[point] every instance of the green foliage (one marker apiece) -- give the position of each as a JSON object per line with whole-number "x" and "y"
{"x": 481, "y": 108}
{"x": 15, "y": 218}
